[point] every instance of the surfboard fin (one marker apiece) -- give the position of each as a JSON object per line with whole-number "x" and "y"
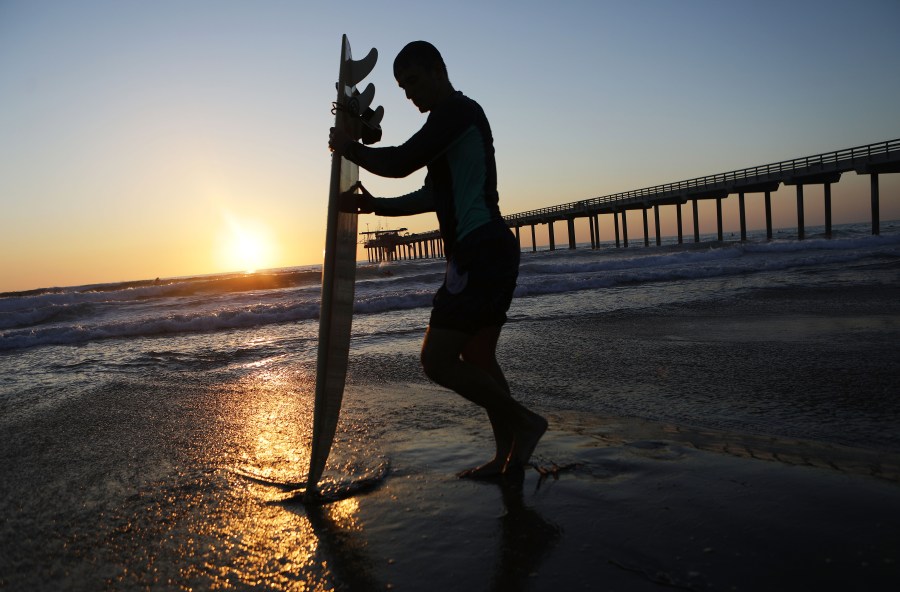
{"x": 356, "y": 70}
{"x": 358, "y": 102}
{"x": 371, "y": 125}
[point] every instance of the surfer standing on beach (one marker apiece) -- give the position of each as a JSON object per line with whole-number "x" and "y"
{"x": 469, "y": 309}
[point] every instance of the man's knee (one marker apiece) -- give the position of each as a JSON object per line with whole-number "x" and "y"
{"x": 439, "y": 357}
{"x": 435, "y": 367}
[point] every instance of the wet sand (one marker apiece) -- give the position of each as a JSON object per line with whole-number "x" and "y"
{"x": 134, "y": 485}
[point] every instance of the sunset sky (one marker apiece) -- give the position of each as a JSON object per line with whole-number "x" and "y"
{"x": 172, "y": 138}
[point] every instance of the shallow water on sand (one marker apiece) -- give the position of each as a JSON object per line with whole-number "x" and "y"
{"x": 139, "y": 487}
{"x": 121, "y": 441}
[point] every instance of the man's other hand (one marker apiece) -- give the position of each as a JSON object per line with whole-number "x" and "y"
{"x": 357, "y": 200}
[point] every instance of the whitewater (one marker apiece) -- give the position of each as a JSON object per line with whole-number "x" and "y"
{"x": 57, "y": 344}
{"x": 210, "y": 304}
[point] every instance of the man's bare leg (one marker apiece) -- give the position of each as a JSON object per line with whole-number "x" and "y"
{"x": 481, "y": 351}
{"x": 467, "y": 365}
{"x": 527, "y": 436}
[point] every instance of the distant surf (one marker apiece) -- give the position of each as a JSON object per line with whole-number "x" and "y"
{"x": 204, "y": 304}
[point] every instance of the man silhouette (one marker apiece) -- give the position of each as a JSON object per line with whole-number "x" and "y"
{"x": 469, "y": 309}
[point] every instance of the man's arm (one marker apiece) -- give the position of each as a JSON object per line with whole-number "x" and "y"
{"x": 400, "y": 161}
{"x": 417, "y": 202}
{"x": 393, "y": 161}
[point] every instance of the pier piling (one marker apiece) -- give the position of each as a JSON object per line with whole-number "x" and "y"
{"x": 876, "y": 215}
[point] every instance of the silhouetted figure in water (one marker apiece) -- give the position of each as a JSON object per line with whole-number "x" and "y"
{"x": 469, "y": 309}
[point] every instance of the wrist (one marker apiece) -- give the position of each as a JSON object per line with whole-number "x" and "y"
{"x": 348, "y": 149}
{"x": 366, "y": 203}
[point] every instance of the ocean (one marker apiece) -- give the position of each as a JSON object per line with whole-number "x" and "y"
{"x": 693, "y": 392}
{"x": 59, "y": 344}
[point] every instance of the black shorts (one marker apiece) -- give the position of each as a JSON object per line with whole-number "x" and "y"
{"x": 480, "y": 280}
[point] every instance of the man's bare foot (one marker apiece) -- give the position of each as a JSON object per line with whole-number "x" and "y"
{"x": 489, "y": 470}
{"x": 526, "y": 440}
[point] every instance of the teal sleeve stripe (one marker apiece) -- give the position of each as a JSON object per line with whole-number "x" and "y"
{"x": 417, "y": 202}
{"x": 466, "y": 157}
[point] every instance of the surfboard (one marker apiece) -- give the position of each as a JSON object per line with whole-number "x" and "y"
{"x": 339, "y": 265}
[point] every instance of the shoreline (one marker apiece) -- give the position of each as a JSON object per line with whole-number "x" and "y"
{"x": 635, "y": 504}
{"x": 133, "y": 484}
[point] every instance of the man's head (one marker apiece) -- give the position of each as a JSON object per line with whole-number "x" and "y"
{"x": 421, "y": 72}
{"x": 419, "y": 53}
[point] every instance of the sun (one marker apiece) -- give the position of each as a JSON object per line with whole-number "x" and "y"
{"x": 248, "y": 247}
{"x": 247, "y": 252}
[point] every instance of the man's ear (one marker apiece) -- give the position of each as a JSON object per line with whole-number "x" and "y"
{"x": 440, "y": 72}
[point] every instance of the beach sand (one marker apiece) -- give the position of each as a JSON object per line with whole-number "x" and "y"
{"x": 135, "y": 485}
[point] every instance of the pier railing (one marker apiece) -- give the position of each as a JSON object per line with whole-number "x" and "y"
{"x": 787, "y": 170}
{"x": 825, "y": 169}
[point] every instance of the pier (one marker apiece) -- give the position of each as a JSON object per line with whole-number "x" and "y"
{"x": 821, "y": 169}
{"x": 390, "y": 245}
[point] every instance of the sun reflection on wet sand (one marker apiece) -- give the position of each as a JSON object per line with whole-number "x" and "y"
{"x": 250, "y": 541}
{"x": 265, "y": 546}
{"x": 275, "y": 431}
{"x": 344, "y": 514}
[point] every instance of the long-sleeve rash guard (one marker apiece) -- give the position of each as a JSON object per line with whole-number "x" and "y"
{"x": 461, "y": 185}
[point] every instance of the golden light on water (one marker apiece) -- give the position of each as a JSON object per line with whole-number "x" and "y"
{"x": 272, "y": 546}
{"x": 276, "y": 426}
{"x": 197, "y": 522}
{"x": 267, "y": 546}
{"x": 345, "y": 514}
{"x": 277, "y": 547}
